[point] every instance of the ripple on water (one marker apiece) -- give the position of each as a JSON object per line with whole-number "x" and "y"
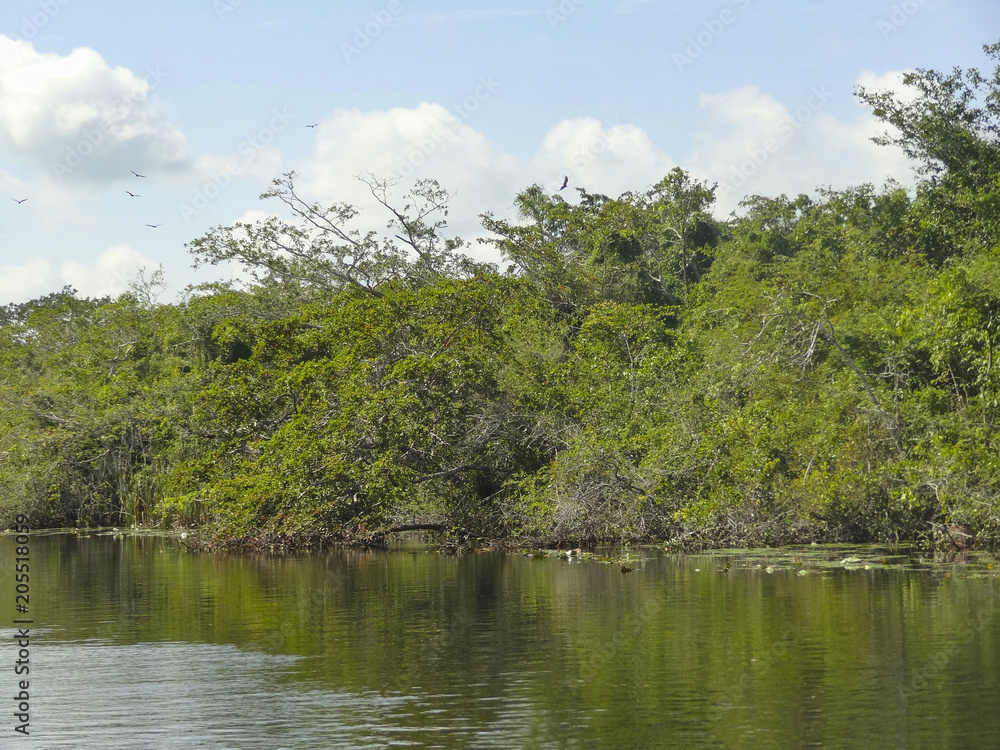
{"x": 184, "y": 695}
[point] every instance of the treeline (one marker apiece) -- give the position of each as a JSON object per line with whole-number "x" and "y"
{"x": 814, "y": 369}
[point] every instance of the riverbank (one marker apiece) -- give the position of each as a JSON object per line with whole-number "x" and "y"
{"x": 815, "y": 368}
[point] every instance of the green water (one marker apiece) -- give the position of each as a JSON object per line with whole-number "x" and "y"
{"x": 140, "y": 644}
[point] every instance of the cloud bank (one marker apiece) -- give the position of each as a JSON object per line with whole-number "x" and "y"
{"x": 82, "y": 119}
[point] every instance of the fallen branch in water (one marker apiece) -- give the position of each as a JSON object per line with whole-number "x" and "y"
{"x": 417, "y": 527}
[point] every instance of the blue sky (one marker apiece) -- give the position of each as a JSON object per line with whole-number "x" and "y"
{"x": 211, "y": 99}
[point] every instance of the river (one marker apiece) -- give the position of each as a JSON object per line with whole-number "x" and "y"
{"x": 138, "y": 643}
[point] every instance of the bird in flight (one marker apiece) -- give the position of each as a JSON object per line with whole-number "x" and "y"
{"x": 154, "y": 226}
{"x": 136, "y": 173}
{"x": 133, "y": 194}
{"x": 565, "y": 183}
{"x": 312, "y": 126}
{"x": 19, "y": 202}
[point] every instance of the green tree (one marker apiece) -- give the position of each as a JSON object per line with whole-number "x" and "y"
{"x": 320, "y": 250}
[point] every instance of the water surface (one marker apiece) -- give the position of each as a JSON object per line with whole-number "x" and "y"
{"x": 138, "y": 643}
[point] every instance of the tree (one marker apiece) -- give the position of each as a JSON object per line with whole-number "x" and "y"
{"x": 949, "y": 124}
{"x": 639, "y": 248}
{"x": 321, "y": 252}
{"x": 680, "y": 206}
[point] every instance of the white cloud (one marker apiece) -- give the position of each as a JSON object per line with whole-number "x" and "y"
{"x": 109, "y": 276}
{"x": 424, "y": 142}
{"x": 891, "y": 80}
{"x": 10, "y": 185}
{"x": 753, "y": 144}
{"x": 81, "y": 118}
{"x": 429, "y": 141}
{"x": 601, "y": 159}
{"x": 24, "y": 281}
{"x": 749, "y": 142}
{"x": 233, "y": 270}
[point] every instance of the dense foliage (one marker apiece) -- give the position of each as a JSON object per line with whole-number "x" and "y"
{"x": 814, "y": 369}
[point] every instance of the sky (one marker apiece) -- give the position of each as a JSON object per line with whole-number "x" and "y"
{"x": 210, "y": 100}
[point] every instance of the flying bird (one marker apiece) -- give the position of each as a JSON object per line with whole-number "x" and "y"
{"x": 133, "y": 194}
{"x": 312, "y": 126}
{"x": 565, "y": 183}
{"x": 136, "y": 173}
{"x": 154, "y": 226}
{"x": 19, "y": 202}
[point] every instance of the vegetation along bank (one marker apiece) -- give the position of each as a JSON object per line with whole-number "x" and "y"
{"x": 813, "y": 369}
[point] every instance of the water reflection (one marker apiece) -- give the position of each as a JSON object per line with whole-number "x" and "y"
{"x": 147, "y": 645}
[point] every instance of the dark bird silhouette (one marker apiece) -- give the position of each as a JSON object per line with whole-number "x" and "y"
{"x": 154, "y": 226}
{"x": 133, "y": 194}
{"x": 312, "y": 126}
{"x": 19, "y": 202}
{"x": 565, "y": 183}
{"x": 136, "y": 173}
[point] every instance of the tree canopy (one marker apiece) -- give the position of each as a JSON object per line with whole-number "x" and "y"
{"x": 816, "y": 368}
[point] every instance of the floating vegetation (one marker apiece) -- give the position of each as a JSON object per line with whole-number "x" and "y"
{"x": 819, "y": 558}
{"x": 800, "y": 560}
